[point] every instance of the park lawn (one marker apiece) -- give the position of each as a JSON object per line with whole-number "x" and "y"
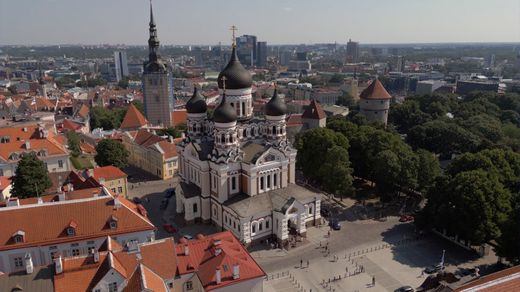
{"x": 82, "y": 162}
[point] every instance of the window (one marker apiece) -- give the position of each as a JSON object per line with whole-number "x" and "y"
{"x": 91, "y": 249}
{"x": 262, "y": 183}
{"x": 18, "y": 238}
{"x": 97, "y": 290}
{"x": 75, "y": 252}
{"x": 112, "y": 287}
{"x": 253, "y": 228}
{"x": 120, "y": 189}
{"x": 234, "y": 225}
{"x": 18, "y": 262}
{"x": 71, "y": 231}
{"x": 60, "y": 163}
{"x": 310, "y": 210}
{"x": 260, "y": 226}
{"x": 233, "y": 183}
{"x": 268, "y": 181}
{"x": 275, "y": 183}
{"x": 267, "y": 224}
{"x": 53, "y": 254}
{"x": 113, "y": 190}
{"x": 189, "y": 285}
{"x": 215, "y": 212}
{"x": 113, "y": 224}
{"x": 195, "y": 208}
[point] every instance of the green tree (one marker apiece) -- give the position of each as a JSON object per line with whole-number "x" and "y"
{"x": 169, "y": 132}
{"x": 407, "y": 115}
{"x": 336, "y": 173}
{"x": 472, "y": 205}
{"x": 508, "y": 243}
{"x": 31, "y": 178}
{"x": 312, "y": 145}
{"x": 111, "y": 152}
{"x": 123, "y": 83}
{"x": 345, "y": 100}
{"x": 428, "y": 169}
{"x": 73, "y": 143}
{"x": 139, "y": 105}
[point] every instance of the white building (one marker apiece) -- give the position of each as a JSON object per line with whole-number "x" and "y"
{"x": 238, "y": 172}
{"x": 121, "y": 64}
{"x": 50, "y": 226}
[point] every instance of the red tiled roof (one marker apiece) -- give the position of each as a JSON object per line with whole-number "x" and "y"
{"x": 169, "y": 149}
{"x": 71, "y": 125}
{"x": 91, "y": 216}
{"x": 83, "y": 111}
{"x": 164, "y": 265}
{"x": 108, "y": 173}
{"x": 203, "y": 261}
{"x": 375, "y": 90}
{"x": 314, "y": 111}
{"x": 501, "y": 281}
{"x": 87, "y": 148}
{"x": 294, "y": 120}
{"x": 134, "y": 119}
{"x": 179, "y": 117}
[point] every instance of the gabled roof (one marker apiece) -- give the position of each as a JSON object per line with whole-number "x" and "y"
{"x": 108, "y": 173}
{"x": 314, "y": 111}
{"x": 134, "y": 119}
{"x": 71, "y": 125}
{"x": 203, "y": 260}
{"x": 83, "y": 111}
{"x": 376, "y": 91}
{"x": 91, "y": 215}
{"x": 169, "y": 149}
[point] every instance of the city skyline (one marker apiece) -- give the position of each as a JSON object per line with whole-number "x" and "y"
{"x": 277, "y": 22}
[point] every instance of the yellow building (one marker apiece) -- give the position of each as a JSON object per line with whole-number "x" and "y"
{"x": 112, "y": 178}
{"x": 151, "y": 153}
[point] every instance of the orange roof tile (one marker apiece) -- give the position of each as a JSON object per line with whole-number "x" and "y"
{"x": 375, "y": 90}
{"x": 5, "y": 181}
{"x": 505, "y": 280}
{"x": 71, "y": 125}
{"x": 134, "y": 119}
{"x": 203, "y": 261}
{"x": 169, "y": 149}
{"x": 314, "y": 111}
{"x": 87, "y": 148}
{"x": 179, "y": 117}
{"x": 108, "y": 173}
{"x": 151, "y": 280}
{"x": 83, "y": 111}
{"x": 165, "y": 265}
{"x": 91, "y": 216}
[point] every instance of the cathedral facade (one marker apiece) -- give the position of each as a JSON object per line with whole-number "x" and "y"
{"x": 238, "y": 171}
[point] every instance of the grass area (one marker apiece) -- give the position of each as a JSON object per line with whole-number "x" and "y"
{"x": 82, "y": 162}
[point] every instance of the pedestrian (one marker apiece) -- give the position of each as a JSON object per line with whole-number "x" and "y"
{"x": 346, "y": 269}
{"x": 328, "y": 233}
{"x": 373, "y": 280}
{"x": 307, "y": 263}
{"x": 301, "y": 263}
{"x": 320, "y": 243}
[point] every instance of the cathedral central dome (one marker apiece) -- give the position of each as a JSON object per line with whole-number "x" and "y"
{"x": 237, "y": 77}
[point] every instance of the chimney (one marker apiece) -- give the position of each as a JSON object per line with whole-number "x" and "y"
{"x": 70, "y": 187}
{"x": 27, "y": 144}
{"x": 13, "y": 202}
{"x": 58, "y": 265}
{"x": 90, "y": 173}
{"x": 117, "y": 202}
{"x": 29, "y": 267}
{"x": 186, "y": 250}
{"x": 95, "y": 255}
{"x": 218, "y": 277}
{"x": 216, "y": 244}
{"x": 132, "y": 246}
{"x": 40, "y": 201}
{"x": 236, "y": 271}
{"x": 170, "y": 138}
{"x": 61, "y": 196}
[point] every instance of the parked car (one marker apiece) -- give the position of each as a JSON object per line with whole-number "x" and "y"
{"x": 406, "y": 218}
{"x": 164, "y": 203}
{"x": 335, "y": 225}
{"x": 169, "y": 193}
{"x": 187, "y": 236}
{"x": 404, "y": 289}
{"x": 137, "y": 200}
{"x": 432, "y": 269}
{"x": 169, "y": 228}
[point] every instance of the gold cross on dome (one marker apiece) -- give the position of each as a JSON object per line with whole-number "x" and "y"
{"x": 234, "y": 29}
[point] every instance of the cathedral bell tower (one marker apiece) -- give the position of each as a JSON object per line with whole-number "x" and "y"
{"x": 157, "y": 87}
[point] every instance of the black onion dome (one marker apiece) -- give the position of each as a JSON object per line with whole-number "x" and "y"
{"x": 196, "y": 104}
{"x": 224, "y": 113}
{"x": 276, "y": 106}
{"x": 237, "y": 77}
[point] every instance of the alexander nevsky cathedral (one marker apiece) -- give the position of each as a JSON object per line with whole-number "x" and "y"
{"x": 238, "y": 171}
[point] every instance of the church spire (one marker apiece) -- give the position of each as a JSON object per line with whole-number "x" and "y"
{"x": 153, "y": 41}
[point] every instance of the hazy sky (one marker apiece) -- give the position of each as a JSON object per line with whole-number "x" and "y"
{"x": 275, "y": 21}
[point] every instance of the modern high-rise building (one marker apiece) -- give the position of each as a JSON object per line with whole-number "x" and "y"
{"x": 121, "y": 65}
{"x": 157, "y": 85}
{"x": 246, "y": 49}
{"x": 261, "y": 52}
{"x": 352, "y": 51}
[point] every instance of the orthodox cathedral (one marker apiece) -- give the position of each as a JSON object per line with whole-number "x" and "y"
{"x": 238, "y": 171}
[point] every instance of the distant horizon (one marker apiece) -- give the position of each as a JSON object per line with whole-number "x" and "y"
{"x": 268, "y": 44}
{"x": 278, "y": 22}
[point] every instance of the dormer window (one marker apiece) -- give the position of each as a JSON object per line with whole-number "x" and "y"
{"x": 19, "y": 236}
{"x": 113, "y": 222}
{"x": 71, "y": 229}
